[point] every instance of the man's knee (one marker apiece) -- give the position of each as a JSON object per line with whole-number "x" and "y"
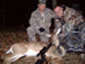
{"x": 29, "y": 30}
{"x": 44, "y": 38}
{"x": 31, "y": 34}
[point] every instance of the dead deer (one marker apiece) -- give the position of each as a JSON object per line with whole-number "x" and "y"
{"x": 19, "y": 50}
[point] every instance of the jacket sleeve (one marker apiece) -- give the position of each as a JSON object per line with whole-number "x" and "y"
{"x": 33, "y": 21}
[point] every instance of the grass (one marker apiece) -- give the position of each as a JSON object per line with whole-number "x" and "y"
{"x": 8, "y": 38}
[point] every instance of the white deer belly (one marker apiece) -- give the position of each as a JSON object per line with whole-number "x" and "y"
{"x": 31, "y": 53}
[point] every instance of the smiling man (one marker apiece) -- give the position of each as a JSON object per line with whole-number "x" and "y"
{"x": 69, "y": 20}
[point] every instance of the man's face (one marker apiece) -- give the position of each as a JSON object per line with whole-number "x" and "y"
{"x": 41, "y": 7}
{"x": 59, "y": 11}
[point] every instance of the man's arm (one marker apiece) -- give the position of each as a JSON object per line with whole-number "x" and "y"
{"x": 34, "y": 23}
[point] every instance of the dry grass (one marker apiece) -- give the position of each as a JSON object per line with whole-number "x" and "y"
{"x": 9, "y": 37}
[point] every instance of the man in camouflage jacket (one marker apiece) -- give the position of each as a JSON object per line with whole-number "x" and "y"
{"x": 40, "y": 22}
{"x": 67, "y": 18}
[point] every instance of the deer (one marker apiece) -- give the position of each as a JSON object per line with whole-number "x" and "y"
{"x": 18, "y": 50}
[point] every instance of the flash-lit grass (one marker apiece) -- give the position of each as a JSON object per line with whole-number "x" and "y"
{"x": 10, "y": 37}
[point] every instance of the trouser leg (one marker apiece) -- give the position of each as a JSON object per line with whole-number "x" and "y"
{"x": 44, "y": 38}
{"x": 31, "y": 34}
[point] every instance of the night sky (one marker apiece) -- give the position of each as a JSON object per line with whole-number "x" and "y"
{"x": 17, "y": 12}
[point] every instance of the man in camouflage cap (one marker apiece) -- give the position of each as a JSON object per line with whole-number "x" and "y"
{"x": 68, "y": 17}
{"x": 40, "y": 22}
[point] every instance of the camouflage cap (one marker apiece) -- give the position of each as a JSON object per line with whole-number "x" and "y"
{"x": 42, "y": 2}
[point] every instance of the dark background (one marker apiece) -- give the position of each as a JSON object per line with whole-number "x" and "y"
{"x": 16, "y": 13}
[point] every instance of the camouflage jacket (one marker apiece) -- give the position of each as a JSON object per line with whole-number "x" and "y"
{"x": 71, "y": 18}
{"x": 38, "y": 19}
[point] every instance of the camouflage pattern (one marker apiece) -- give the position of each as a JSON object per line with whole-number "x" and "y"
{"x": 42, "y": 1}
{"x": 71, "y": 18}
{"x": 39, "y": 20}
{"x": 82, "y": 33}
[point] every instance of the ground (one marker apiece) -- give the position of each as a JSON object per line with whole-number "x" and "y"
{"x": 7, "y": 38}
